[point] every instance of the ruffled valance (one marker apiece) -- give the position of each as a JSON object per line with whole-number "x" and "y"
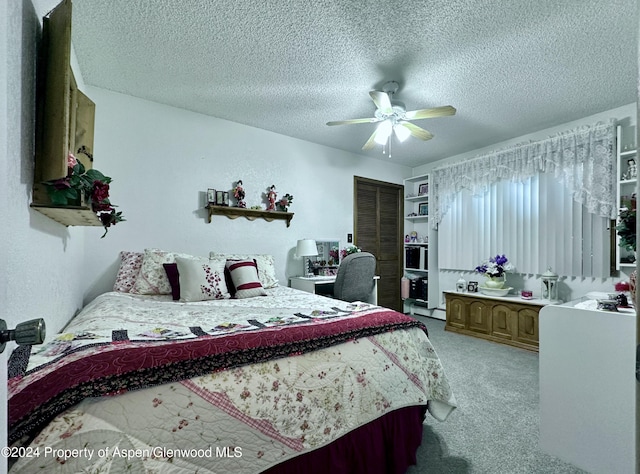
{"x": 583, "y": 159}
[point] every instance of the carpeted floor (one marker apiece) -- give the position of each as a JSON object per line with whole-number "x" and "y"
{"x": 495, "y": 427}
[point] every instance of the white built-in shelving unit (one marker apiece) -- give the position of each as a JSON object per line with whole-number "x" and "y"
{"x": 626, "y": 191}
{"x": 423, "y": 241}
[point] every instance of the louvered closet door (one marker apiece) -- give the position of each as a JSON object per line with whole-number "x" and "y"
{"x": 378, "y": 210}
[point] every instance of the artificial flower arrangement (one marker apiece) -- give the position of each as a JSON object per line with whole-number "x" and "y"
{"x": 284, "y": 202}
{"x": 495, "y": 267}
{"x": 81, "y": 183}
{"x": 334, "y": 254}
{"x": 626, "y": 229}
{"x": 349, "y": 250}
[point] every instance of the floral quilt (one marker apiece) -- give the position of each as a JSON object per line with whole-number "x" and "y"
{"x": 147, "y": 384}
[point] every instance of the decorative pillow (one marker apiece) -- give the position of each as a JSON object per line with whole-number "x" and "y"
{"x": 244, "y": 274}
{"x": 171, "y": 269}
{"x": 265, "y": 263}
{"x": 152, "y": 279}
{"x": 202, "y": 279}
{"x": 229, "y": 280}
{"x": 130, "y": 263}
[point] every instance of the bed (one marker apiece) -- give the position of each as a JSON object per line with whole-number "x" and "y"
{"x": 273, "y": 380}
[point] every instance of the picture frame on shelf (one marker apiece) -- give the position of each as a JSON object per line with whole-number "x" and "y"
{"x": 211, "y": 196}
{"x": 219, "y": 198}
{"x": 423, "y": 189}
{"x": 423, "y": 209}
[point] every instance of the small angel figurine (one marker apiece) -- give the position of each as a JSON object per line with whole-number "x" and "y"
{"x": 271, "y": 197}
{"x": 238, "y": 193}
{"x": 632, "y": 170}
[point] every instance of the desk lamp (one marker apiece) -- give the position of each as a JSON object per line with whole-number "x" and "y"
{"x": 307, "y": 248}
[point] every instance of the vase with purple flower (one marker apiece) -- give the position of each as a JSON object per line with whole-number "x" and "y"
{"x": 495, "y": 270}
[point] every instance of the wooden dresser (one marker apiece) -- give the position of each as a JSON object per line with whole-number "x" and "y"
{"x": 508, "y": 320}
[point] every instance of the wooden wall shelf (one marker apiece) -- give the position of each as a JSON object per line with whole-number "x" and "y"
{"x": 69, "y": 215}
{"x": 65, "y": 119}
{"x": 251, "y": 214}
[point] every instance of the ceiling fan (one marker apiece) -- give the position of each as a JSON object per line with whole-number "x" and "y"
{"x": 394, "y": 117}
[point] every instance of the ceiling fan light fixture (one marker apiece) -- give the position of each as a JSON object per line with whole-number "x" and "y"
{"x": 383, "y": 132}
{"x": 401, "y": 131}
{"x": 392, "y": 116}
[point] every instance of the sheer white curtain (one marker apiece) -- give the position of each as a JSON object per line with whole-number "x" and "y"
{"x": 535, "y": 222}
{"x": 582, "y": 159}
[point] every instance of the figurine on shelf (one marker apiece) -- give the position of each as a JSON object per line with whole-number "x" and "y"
{"x": 632, "y": 169}
{"x": 271, "y": 197}
{"x": 238, "y": 193}
{"x": 285, "y": 202}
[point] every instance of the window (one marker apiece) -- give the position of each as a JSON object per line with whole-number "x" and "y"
{"x": 536, "y": 223}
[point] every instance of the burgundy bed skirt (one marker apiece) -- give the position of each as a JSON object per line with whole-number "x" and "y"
{"x": 387, "y": 445}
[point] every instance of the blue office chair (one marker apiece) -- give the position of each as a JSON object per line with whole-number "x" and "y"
{"x": 354, "y": 281}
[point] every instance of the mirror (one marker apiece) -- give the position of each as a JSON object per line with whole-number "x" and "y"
{"x": 328, "y": 258}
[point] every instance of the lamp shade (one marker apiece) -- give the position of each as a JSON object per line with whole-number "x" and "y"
{"x": 383, "y": 132}
{"x": 306, "y": 248}
{"x": 401, "y": 131}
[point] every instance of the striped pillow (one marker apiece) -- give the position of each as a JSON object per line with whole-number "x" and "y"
{"x": 244, "y": 275}
{"x": 265, "y": 262}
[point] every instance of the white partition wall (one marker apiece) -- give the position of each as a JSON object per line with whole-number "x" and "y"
{"x": 587, "y": 387}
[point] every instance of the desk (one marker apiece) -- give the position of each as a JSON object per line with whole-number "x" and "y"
{"x": 316, "y": 285}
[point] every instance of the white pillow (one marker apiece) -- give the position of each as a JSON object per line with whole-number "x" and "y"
{"x": 152, "y": 279}
{"x": 244, "y": 276}
{"x": 265, "y": 262}
{"x": 202, "y": 279}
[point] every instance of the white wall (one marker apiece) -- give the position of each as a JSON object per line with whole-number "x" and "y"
{"x": 162, "y": 160}
{"x": 42, "y": 261}
{"x": 569, "y": 288}
{"x": 4, "y": 158}
{"x": 45, "y": 258}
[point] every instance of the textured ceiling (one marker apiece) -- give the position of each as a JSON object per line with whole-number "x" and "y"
{"x": 289, "y": 66}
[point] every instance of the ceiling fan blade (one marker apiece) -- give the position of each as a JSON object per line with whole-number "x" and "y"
{"x": 417, "y": 132}
{"x": 430, "y": 113}
{"x": 345, "y": 122}
{"x": 371, "y": 141}
{"x": 382, "y": 101}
